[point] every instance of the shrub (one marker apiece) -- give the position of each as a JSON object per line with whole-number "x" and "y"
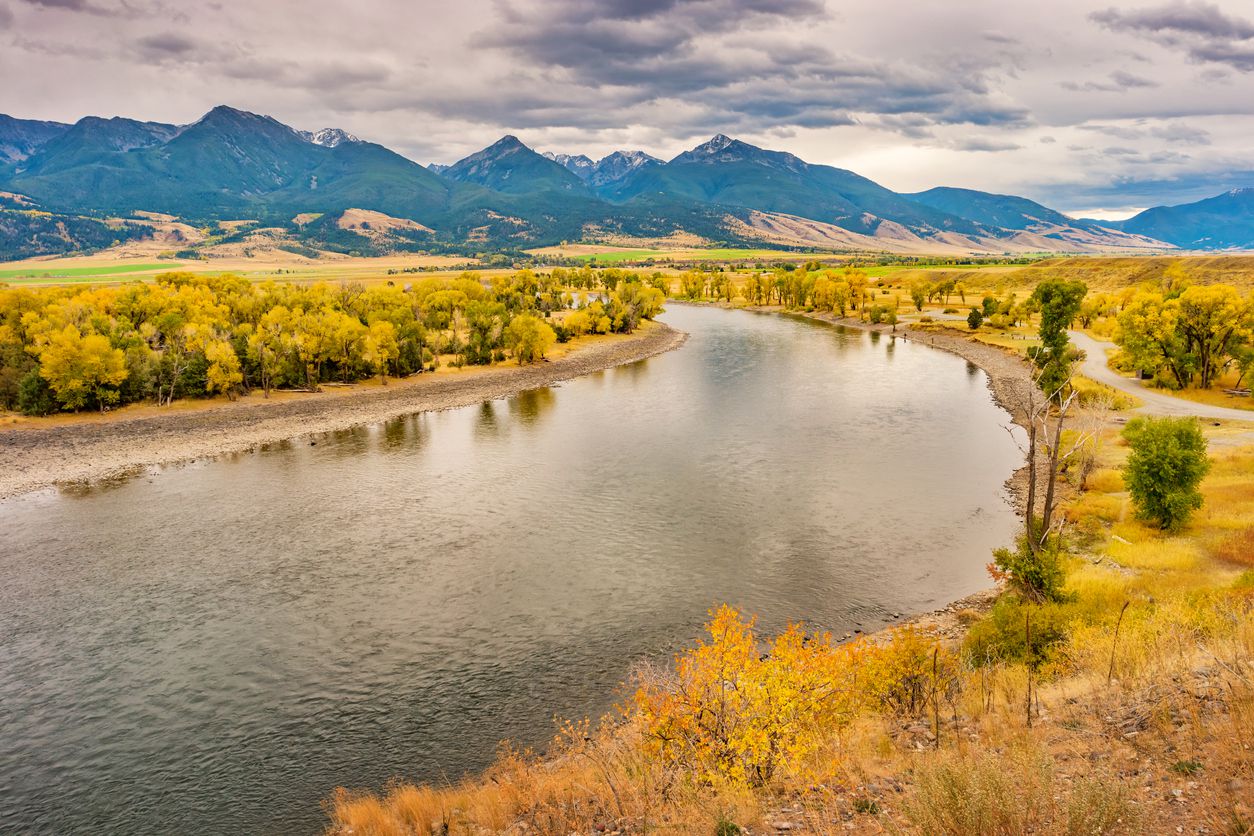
{"x": 732, "y": 715}
{"x": 975, "y": 319}
{"x": 1037, "y": 575}
{"x": 1001, "y": 636}
{"x": 1164, "y": 469}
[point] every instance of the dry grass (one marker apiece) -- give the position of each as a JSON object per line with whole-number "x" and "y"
{"x": 1236, "y": 548}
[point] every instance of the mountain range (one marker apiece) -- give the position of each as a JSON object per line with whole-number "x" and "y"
{"x": 317, "y": 187}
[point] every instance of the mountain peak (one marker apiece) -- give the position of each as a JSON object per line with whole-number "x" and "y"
{"x": 509, "y": 142}
{"x": 508, "y": 165}
{"x": 574, "y": 162}
{"x": 329, "y": 137}
{"x": 228, "y": 112}
{"x": 717, "y": 143}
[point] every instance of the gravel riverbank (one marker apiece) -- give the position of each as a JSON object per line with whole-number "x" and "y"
{"x": 33, "y": 458}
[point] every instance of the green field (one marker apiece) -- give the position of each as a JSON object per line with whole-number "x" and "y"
{"x": 85, "y": 273}
{"x": 620, "y": 256}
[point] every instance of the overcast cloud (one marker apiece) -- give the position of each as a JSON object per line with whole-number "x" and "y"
{"x": 1089, "y": 106}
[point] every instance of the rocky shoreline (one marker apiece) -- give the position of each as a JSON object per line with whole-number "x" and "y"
{"x": 35, "y": 458}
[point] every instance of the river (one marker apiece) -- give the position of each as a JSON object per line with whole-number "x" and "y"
{"x": 215, "y": 647}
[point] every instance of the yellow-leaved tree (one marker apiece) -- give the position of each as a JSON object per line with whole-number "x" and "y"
{"x": 381, "y": 347}
{"x": 81, "y": 368}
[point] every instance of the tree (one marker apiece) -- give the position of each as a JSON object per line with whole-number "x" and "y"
{"x": 1212, "y": 320}
{"x": 1164, "y": 469}
{"x": 528, "y": 338}
{"x": 918, "y": 294}
{"x": 380, "y": 347}
{"x": 975, "y": 319}
{"x": 1059, "y": 302}
{"x": 223, "y": 374}
{"x": 1150, "y": 337}
{"x": 81, "y": 369}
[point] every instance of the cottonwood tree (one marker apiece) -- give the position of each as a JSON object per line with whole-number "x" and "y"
{"x": 380, "y": 347}
{"x": 81, "y": 368}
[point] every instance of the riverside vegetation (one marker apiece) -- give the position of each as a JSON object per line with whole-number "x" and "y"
{"x": 190, "y": 336}
{"x": 1109, "y": 688}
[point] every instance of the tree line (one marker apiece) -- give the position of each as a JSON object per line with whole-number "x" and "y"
{"x": 187, "y": 336}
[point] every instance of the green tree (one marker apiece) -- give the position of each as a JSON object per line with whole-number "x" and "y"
{"x": 1059, "y": 302}
{"x": 975, "y": 319}
{"x": 1166, "y": 465}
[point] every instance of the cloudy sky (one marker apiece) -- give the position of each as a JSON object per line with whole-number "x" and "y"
{"x": 1088, "y": 106}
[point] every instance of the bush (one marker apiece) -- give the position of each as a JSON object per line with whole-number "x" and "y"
{"x": 34, "y": 395}
{"x": 1038, "y": 576}
{"x": 1167, "y": 463}
{"x": 975, "y": 319}
{"x": 1001, "y": 636}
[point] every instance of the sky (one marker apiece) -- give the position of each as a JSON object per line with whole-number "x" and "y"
{"x": 1097, "y": 109}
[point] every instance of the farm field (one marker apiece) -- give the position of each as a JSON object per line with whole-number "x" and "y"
{"x": 105, "y": 269}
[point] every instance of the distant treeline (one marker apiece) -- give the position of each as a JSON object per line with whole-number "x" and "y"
{"x": 187, "y": 336}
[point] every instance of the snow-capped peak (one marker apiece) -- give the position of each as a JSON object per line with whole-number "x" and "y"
{"x": 329, "y": 137}
{"x": 716, "y": 144}
{"x": 575, "y": 162}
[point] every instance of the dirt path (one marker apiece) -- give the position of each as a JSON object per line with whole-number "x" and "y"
{"x": 31, "y": 459}
{"x": 1154, "y": 403}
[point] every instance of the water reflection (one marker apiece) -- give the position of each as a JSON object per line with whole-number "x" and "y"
{"x": 529, "y": 405}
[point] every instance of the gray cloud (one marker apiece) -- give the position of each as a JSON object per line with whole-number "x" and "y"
{"x": 1201, "y": 30}
{"x": 984, "y": 144}
{"x": 166, "y": 44}
{"x": 1179, "y": 132}
{"x": 740, "y": 61}
{"x": 6, "y": 16}
{"x": 1119, "y": 81}
{"x": 76, "y": 6}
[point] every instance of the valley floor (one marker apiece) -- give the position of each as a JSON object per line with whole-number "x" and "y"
{"x": 42, "y": 453}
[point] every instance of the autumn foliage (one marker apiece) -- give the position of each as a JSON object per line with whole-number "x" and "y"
{"x": 736, "y": 712}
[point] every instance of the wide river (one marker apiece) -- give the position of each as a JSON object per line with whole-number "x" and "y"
{"x": 215, "y": 647}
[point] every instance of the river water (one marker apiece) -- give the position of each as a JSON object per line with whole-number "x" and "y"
{"x": 214, "y": 648}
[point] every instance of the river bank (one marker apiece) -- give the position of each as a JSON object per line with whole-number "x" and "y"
{"x": 37, "y": 457}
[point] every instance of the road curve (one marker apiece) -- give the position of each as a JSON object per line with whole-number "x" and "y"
{"x": 1155, "y": 403}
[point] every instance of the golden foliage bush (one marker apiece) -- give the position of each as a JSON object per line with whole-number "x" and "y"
{"x": 731, "y": 714}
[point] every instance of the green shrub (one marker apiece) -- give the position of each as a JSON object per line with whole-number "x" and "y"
{"x": 1001, "y": 636}
{"x": 1166, "y": 465}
